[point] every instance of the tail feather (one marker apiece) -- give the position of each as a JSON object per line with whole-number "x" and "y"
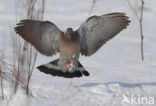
{"x": 53, "y": 69}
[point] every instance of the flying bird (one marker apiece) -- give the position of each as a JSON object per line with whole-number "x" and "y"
{"x": 92, "y": 34}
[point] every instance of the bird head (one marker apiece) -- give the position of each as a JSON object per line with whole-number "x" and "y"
{"x": 69, "y": 33}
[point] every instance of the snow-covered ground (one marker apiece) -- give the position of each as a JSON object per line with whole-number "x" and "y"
{"x": 116, "y": 70}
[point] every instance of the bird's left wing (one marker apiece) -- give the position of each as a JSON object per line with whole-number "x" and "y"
{"x": 97, "y": 30}
{"x": 43, "y": 35}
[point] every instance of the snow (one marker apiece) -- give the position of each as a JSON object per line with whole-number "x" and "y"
{"x": 115, "y": 70}
{"x": 20, "y": 99}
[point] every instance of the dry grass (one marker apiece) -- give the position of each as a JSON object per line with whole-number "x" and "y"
{"x": 19, "y": 72}
{"x": 26, "y": 55}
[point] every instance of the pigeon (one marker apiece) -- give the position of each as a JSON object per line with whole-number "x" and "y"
{"x": 49, "y": 40}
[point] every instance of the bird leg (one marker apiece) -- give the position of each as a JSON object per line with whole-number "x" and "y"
{"x": 67, "y": 64}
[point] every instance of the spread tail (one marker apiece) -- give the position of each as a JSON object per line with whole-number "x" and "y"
{"x": 53, "y": 69}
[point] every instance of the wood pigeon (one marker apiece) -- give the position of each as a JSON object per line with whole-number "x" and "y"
{"x": 92, "y": 34}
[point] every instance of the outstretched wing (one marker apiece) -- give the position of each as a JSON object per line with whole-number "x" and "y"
{"x": 43, "y": 35}
{"x": 97, "y": 30}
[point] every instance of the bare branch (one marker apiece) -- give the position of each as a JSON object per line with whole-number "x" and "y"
{"x": 140, "y": 23}
{"x": 92, "y": 7}
{"x": 141, "y": 29}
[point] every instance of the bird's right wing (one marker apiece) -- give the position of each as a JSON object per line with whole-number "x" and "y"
{"x": 43, "y": 35}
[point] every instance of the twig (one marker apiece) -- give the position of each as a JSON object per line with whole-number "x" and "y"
{"x": 141, "y": 30}
{"x": 130, "y": 5}
{"x": 141, "y": 26}
{"x": 43, "y": 6}
{"x": 92, "y": 7}
{"x": 25, "y": 54}
{"x": 32, "y": 59}
{"x": 1, "y": 78}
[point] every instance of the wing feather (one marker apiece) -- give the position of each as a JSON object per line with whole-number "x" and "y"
{"x": 97, "y": 30}
{"x": 43, "y": 35}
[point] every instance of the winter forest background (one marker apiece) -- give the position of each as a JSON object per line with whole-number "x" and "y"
{"x": 117, "y": 69}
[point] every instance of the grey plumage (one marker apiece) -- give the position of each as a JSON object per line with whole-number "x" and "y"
{"x": 48, "y": 39}
{"x": 97, "y": 30}
{"x": 43, "y": 35}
